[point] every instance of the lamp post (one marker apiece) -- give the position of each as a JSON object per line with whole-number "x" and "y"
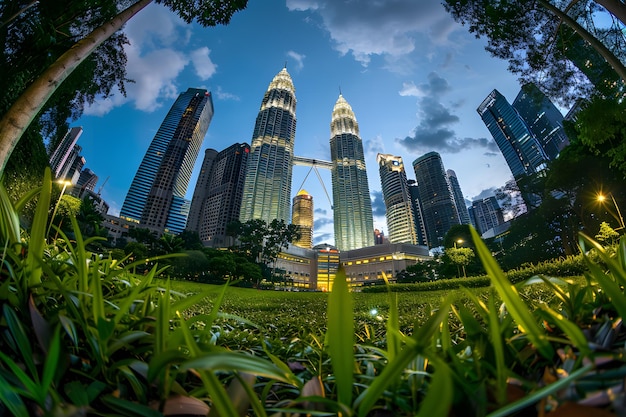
{"x": 601, "y": 198}
{"x": 328, "y": 268}
{"x": 459, "y": 241}
{"x": 56, "y": 206}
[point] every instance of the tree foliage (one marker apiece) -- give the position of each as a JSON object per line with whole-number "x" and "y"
{"x": 558, "y": 46}
{"x": 68, "y": 53}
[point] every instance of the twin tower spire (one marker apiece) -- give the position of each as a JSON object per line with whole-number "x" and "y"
{"x": 267, "y": 187}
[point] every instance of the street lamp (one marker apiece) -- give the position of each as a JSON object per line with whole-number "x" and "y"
{"x": 56, "y": 206}
{"x": 328, "y": 268}
{"x": 459, "y": 241}
{"x": 601, "y": 198}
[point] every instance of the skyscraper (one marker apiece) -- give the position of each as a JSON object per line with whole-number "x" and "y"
{"x": 420, "y": 227}
{"x": 216, "y": 199}
{"x": 352, "y": 204}
{"x": 438, "y": 206}
{"x": 457, "y": 194}
{"x": 302, "y": 216}
{"x": 61, "y": 156}
{"x": 156, "y": 195}
{"x": 487, "y": 214}
{"x": 400, "y": 216}
{"x": 201, "y": 191}
{"x": 267, "y": 187}
{"x": 87, "y": 180}
{"x": 521, "y": 150}
{"x": 543, "y": 118}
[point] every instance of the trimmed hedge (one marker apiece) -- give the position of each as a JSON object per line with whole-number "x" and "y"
{"x": 562, "y": 267}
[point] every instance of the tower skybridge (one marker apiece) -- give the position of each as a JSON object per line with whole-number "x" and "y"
{"x": 309, "y": 162}
{"x": 314, "y": 164}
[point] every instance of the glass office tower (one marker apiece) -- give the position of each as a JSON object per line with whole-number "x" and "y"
{"x": 267, "y": 187}
{"x": 438, "y": 208}
{"x": 520, "y": 148}
{"x": 352, "y": 204}
{"x": 156, "y": 195}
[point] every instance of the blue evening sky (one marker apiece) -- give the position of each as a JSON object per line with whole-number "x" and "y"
{"x": 413, "y": 77}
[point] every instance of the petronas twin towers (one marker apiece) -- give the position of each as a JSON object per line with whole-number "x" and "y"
{"x": 267, "y": 187}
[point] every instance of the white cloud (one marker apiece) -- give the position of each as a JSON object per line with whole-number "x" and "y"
{"x": 392, "y": 29}
{"x": 224, "y": 95}
{"x": 302, "y": 5}
{"x": 409, "y": 89}
{"x": 156, "y": 57}
{"x": 205, "y": 68}
{"x": 299, "y": 58}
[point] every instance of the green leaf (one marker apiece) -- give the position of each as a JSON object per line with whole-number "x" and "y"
{"x": 9, "y": 218}
{"x": 37, "y": 239}
{"x": 162, "y": 360}
{"x": 440, "y": 392}
{"x": 52, "y": 362}
{"x": 340, "y": 336}
{"x": 512, "y": 300}
{"x": 129, "y": 408}
{"x": 20, "y": 337}
{"x": 495, "y": 336}
{"x": 11, "y": 400}
{"x": 572, "y": 330}
{"x": 241, "y": 362}
{"x": 419, "y": 341}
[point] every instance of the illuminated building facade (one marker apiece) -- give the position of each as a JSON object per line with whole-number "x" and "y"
{"x": 399, "y": 210}
{"x": 327, "y": 266}
{"x": 302, "y": 216}
{"x": 352, "y": 204}
{"x": 267, "y": 187}
{"x": 216, "y": 199}
{"x": 156, "y": 195}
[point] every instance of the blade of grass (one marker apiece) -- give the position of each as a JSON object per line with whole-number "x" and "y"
{"x": 614, "y": 266}
{"x": 440, "y": 392}
{"x": 11, "y": 400}
{"x": 215, "y": 389}
{"x": 495, "y": 335}
{"x": 514, "y": 304}
{"x": 536, "y": 396}
{"x": 38, "y": 232}
{"x": 417, "y": 343}
{"x": 22, "y": 343}
{"x": 572, "y": 330}
{"x": 341, "y": 336}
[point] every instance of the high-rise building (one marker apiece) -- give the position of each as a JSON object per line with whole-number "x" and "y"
{"x": 156, "y": 198}
{"x": 267, "y": 187}
{"x": 520, "y": 148}
{"x": 486, "y": 214}
{"x": 302, "y": 216}
{"x": 438, "y": 206}
{"x": 399, "y": 210}
{"x": 543, "y": 118}
{"x": 457, "y": 194}
{"x": 86, "y": 181}
{"x": 216, "y": 199}
{"x": 59, "y": 156}
{"x": 420, "y": 227}
{"x": 201, "y": 191}
{"x": 352, "y": 204}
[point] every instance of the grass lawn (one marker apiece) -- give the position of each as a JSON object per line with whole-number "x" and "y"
{"x": 283, "y": 316}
